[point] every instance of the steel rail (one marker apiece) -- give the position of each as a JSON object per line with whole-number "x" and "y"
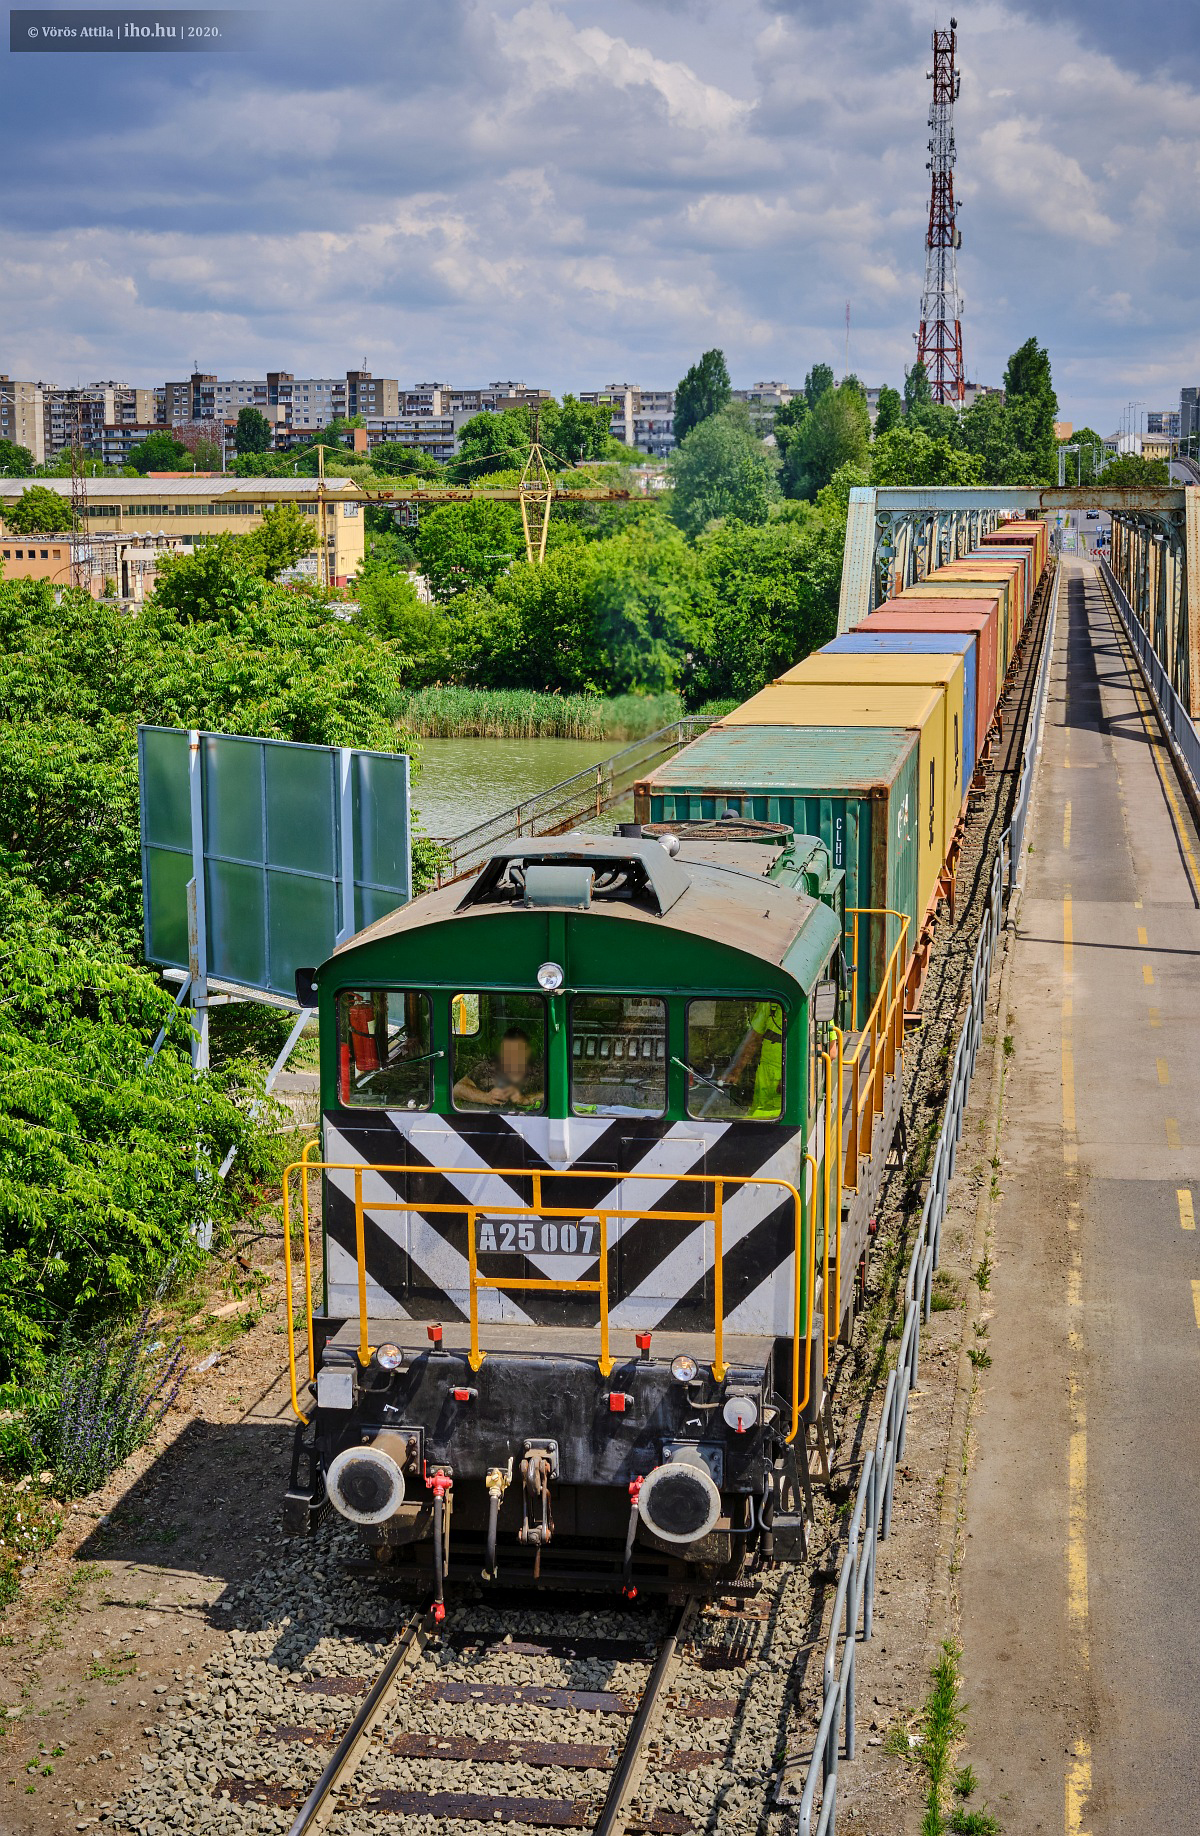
{"x": 318, "y": 1805}
{"x": 627, "y": 1775}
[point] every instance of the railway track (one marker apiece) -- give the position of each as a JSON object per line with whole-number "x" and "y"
{"x": 398, "y": 1718}
{"x": 524, "y": 1712}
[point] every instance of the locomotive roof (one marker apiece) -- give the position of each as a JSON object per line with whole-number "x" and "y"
{"x": 732, "y": 903}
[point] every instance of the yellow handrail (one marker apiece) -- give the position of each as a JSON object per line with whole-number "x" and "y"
{"x": 883, "y": 1036}
{"x": 798, "y": 1405}
{"x": 305, "y": 1165}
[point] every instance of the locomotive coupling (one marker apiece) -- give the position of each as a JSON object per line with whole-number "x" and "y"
{"x": 366, "y": 1484}
{"x": 679, "y": 1502}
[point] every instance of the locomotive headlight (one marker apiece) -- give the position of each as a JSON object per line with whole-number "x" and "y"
{"x": 683, "y": 1368}
{"x": 550, "y": 977}
{"x": 389, "y": 1357}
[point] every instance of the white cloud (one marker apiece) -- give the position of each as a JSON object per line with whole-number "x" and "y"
{"x": 487, "y": 187}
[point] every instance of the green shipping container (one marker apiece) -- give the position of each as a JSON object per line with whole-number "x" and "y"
{"x": 855, "y": 787}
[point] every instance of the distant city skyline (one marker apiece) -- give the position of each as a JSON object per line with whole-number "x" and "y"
{"x": 471, "y": 189}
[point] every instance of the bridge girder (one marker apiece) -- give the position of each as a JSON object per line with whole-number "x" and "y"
{"x": 896, "y": 534}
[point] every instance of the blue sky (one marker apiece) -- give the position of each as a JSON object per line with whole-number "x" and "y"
{"x": 580, "y": 193}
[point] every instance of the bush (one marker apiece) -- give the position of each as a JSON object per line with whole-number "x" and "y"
{"x": 94, "y": 1409}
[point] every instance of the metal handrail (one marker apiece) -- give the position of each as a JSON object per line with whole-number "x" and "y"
{"x": 883, "y": 1031}
{"x": 584, "y": 793}
{"x": 714, "y": 1215}
{"x": 871, "y": 1521}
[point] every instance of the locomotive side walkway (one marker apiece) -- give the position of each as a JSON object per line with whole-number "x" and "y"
{"x": 1079, "y": 1611}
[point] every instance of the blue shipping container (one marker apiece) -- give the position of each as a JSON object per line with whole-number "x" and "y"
{"x": 935, "y": 643}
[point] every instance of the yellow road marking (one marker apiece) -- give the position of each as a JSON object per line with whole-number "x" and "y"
{"x": 1164, "y": 1076}
{"x": 1187, "y": 1211}
{"x": 1077, "y": 1558}
{"x": 1196, "y": 1300}
{"x": 1079, "y": 1787}
{"x": 1142, "y": 937}
{"x": 1068, "y": 936}
{"x": 1154, "y": 1016}
{"x": 1173, "y": 1140}
{"x": 1147, "y": 975}
{"x": 1068, "y": 1083}
{"x": 1067, "y": 823}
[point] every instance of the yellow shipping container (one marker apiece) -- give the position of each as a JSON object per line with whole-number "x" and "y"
{"x": 971, "y": 586}
{"x": 917, "y": 668}
{"x": 836, "y": 704}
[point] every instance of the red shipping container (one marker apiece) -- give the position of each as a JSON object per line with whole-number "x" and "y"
{"x": 980, "y": 616}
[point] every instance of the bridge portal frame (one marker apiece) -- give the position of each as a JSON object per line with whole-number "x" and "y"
{"x": 896, "y": 534}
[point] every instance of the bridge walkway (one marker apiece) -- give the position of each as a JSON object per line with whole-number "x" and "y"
{"x": 1079, "y": 1600}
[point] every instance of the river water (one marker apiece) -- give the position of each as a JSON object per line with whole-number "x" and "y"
{"x": 462, "y": 782}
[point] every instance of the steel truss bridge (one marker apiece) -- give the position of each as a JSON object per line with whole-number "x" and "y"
{"x": 896, "y": 535}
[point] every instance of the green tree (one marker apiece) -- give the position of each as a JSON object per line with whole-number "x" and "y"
{"x": 396, "y": 460}
{"x": 789, "y": 420}
{"x": 702, "y": 392}
{"x": 917, "y": 392}
{"x": 15, "y": 461}
{"x": 889, "y": 412}
{"x": 1130, "y": 470}
{"x": 38, "y": 511}
{"x": 721, "y": 469}
{"x": 253, "y": 433}
{"x": 160, "y": 452}
{"x": 573, "y": 430}
{"x": 603, "y": 617}
{"x": 909, "y": 456}
{"x": 817, "y": 383}
{"x": 771, "y": 598}
{"x": 1033, "y": 407}
{"x": 492, "y": 442}
{"x": 837, "y": 433}
{"x": 206, "y": 456}
{"x": 469, "y": 545}
{"x": 264, "y": 465}
{"x": 284, "y": 535}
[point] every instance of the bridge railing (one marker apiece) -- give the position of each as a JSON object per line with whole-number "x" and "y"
{"x": 1177, "y": 722}
{"x": 871, "y": 1519}
{"x": 586, "y": 794}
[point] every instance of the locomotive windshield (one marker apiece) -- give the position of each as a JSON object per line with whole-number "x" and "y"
{"x": 618, "y": 1055}
{"x": 735, "y": 1059}
{"x": 499, "y": 1043}
{"x": 384, "y": 1055}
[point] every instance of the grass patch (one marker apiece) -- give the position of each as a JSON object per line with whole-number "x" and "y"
{"x": 980, "y": 1358}
{"x": 942, "y": 1727}
{"x": 983, "y": 1274}
{"x": 965, "y": 1822}
{"x": 945, "y": 1292}
{"x": 1009, "y": 1045}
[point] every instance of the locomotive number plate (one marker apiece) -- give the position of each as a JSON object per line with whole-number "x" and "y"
{"x": 537, "y": 1237}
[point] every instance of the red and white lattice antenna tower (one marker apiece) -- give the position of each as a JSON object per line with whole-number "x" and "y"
{"x": 939, "y": 341}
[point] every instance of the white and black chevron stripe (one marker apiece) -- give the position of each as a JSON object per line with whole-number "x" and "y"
{"x": 660, "y": 1268}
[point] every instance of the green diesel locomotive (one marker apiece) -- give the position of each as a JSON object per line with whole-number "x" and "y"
{"x": 585, "y": 1239}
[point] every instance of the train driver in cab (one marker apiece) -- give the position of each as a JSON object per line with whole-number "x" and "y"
{"x": 508, "y": 1079}
{"x": 764, "y": 1041}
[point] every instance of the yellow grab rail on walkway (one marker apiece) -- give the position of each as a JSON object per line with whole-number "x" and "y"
{"x": 878, "y": 1049}
{"x": 803, "y": 1271}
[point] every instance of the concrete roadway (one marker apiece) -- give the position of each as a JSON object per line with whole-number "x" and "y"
{"x": 1080, "y": 1590}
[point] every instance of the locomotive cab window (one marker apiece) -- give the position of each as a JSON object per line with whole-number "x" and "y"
{"x": 735, "y": 1059}
{"x": 618, "y": 1055}
{"x": 499, "y": 1043}
{"x": 385, "y": 1060}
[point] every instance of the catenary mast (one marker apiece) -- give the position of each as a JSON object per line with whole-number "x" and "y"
{"x": 939, "y": 341}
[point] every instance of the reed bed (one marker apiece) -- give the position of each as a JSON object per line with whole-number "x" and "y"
{"x": 469, "y": 713}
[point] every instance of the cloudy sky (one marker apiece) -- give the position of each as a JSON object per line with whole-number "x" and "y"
{"x": 576, "y": 192}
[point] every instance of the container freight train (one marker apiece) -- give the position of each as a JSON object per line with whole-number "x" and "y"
{"x": 604, "y": 1129}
